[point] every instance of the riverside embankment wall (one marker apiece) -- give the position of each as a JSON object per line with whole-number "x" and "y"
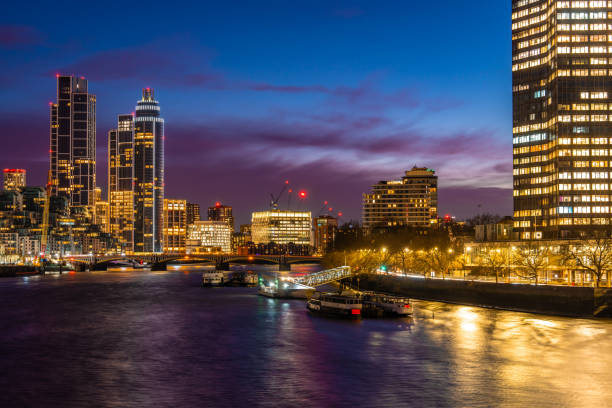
{"x": 559, "y": 300}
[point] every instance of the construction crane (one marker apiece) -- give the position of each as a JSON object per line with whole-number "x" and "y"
{"x": 274, "y": 200}
{"x": 45, "y": 220}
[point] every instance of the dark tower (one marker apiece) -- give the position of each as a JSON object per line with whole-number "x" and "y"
{"x": 73, "y": 142}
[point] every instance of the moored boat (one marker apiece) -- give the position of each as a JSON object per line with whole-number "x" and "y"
{"x": 213, "y": 278}
{"x": 345, "y": 305}
{"x": 386, "y": 305}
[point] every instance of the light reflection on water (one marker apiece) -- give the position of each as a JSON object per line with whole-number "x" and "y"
{"x": 142, "y": 338}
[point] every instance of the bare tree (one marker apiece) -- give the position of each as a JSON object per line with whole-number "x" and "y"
{"x": 531, "y": 260}
{"x": 493, "y": 260}
{"x": 594, "y": 256}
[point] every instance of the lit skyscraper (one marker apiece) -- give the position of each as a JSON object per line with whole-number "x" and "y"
{"x": 73, "y": 142}
{"x": 14, "y": 179}
{"x": 561, "y": 117}
{"x": 148, "y": 174}
{"x": 121, "y": 183}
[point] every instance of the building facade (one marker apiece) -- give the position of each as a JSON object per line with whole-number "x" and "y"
{"x": 175, "y": 226}
{"x": 209, "y": 236}
{"x": 73, "y": 142}
{"x": 121, "y": 183}
{"x": 325, "y": 230}
{"x": 281, "y": 227}
{"x": 221, "y": 213}
{"x": 193, "y": 213}
{"x": 562, "y": 130}
{"x": 411, "y": 201}
{"x": 148, "y": 175}
{"x": 13, "y": 179}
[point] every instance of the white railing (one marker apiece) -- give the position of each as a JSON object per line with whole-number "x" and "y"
{"x": 324, "y": 277}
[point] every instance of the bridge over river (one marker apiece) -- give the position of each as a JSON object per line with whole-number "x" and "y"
{"x": 160, "y": 262}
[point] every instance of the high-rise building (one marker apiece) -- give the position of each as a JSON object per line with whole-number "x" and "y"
{"x": 281, "y": 227}
{"x": 148, "y": 174}
{"x": 221, "y": 213}
{"x": 175, "y": 225}
{"x": 562, "y": 135}
{"x": 209, "y": 236}
{"x": 193, "y": 213}
{"x": 411, "y": 201}
{"x": 102, "y": 212}
{"x": 73, "y": 142}
{"x": 102, "y": 216}
{"x": 121, "y": 183}
{"x": 325, "y": 230}
{"x": 14, "y": 179}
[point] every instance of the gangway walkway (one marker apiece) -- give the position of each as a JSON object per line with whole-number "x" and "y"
{"x": 324, "y": 277}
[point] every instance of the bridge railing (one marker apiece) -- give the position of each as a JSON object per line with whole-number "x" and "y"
{"x": 324, "y": 277}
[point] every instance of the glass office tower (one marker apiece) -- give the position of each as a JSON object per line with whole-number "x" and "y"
{"x": 561, "y": 84}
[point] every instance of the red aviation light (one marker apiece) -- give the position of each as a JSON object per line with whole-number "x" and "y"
{"x": 286, "y": 181}
{"x": 355, "y": 311}
{"x": 325, "y": 202}
{"x": 57, "y": 75}
{"x": 339, "y": 214}
{"x": 291, "y": 190}
{"x": 302, "y": 194}
{"x": 217, "y": 204}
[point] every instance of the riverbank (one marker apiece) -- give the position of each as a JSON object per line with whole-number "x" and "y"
{"x": 9, "y": 271}
{"x": 544, "y": 299}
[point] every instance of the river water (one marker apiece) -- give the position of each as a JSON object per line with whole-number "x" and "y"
{"x": 158, "y": 339}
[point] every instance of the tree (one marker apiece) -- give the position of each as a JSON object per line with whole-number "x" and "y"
{"x": 493, "y": 260}
{"x": 443, "y": 260}
{"x": 531, "y": 260}
{"x": 421, "y": 262}
{"x": 594, "y": 256}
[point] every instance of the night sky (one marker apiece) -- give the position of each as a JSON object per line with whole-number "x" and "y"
{"x": 331, "y": 95}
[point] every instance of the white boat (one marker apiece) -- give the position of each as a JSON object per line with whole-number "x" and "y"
{"x": 337, "y": 305}
{"x": 389, "y": 305}
{"x": 213, "y": 278}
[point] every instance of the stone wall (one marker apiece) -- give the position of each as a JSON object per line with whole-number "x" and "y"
{"x": 559, "y": 300}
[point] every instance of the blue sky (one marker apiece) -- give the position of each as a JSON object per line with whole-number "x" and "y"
{"x": 331, "y": 95}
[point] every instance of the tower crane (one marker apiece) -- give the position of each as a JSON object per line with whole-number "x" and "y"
{"x": 274, "y": 200}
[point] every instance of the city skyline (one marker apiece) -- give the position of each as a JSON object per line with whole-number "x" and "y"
{"x": 333, "y": 131}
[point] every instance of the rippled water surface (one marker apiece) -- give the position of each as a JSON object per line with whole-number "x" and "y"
{"x": 157, "y": 339}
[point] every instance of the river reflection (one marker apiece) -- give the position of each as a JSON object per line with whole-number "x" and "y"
{"x": 141, "y": 338}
